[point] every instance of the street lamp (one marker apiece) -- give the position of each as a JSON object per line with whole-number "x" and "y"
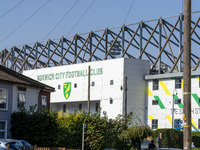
{"x": 174, "y": 93}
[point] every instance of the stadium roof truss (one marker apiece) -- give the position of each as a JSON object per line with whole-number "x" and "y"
{"x": 160, "y": 41}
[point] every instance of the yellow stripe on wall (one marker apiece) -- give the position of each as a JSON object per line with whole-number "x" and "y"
{"x": 169, "y": 119}
{"x": 148, "y": 91}
{"x": 162, "y": 83}
{"x": 194, "y": 123}
{"x": 150, "y": 117}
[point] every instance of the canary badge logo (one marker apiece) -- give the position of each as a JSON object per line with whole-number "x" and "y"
{"x": 67, "y": 89}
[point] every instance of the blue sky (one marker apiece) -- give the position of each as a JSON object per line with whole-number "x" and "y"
{"x": 22, "y": 25}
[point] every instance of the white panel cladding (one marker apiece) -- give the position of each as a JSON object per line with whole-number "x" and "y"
{"x": 107, "y": 78}
{"x": 164, "y": 115}
{"x": 101, "y": 74}
{"x": 32, "y": 95}
{"x": 135, "y": 70}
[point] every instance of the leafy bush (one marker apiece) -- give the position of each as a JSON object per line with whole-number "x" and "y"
{"x": 196, "y": 138}
{"x": 171, "y": 138}
{"x": 36, "y": 127}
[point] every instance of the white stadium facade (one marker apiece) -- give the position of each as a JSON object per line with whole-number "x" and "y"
{"x": 149, "y": 54}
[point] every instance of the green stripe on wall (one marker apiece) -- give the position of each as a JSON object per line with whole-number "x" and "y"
{"x": 179, "y": 105}
{"x": 159, "y": 102}
{"x": 195, "y": 96}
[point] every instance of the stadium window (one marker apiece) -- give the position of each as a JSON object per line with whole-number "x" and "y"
{"x": 93, "y": 83}
{"x": 111, "y": 82}
{"x": 3, "y": 99}
{"x": 178, "y": 83}
{"x": 177, "y": 101}
{"x": 111, "y": 101}
{"x": 75, "y": 85}
{"x": 80, "y": 107}
{"x": 3, "y": 129}
{"x": 154, "y": 123}
{"x": 21, "y": 100}
{"x": 155, "y": 85}
{"x": 177, "y": 123}
{"x": 64, "y": 108}
{"x": 58, "y": 86}
{"x": 198, "y": 123}
{"x": 154, "y": 102}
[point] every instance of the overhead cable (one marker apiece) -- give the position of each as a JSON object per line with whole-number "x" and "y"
{"x": 24, "y": 21}
{"x": 81, "y": 17}
{"x": 60, "y": 20}
{"x": 11, "y": 9}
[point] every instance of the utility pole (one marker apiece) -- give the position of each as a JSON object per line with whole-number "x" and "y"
{"x": 88, "y": 89}
{"x": 125, "y": 99}
{"x": 187, "y": 77}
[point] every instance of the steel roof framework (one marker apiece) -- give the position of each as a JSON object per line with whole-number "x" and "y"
{"x": 160, "y": 41}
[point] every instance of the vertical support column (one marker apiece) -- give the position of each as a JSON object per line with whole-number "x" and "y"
{"x": 123, "y": 36}
{"x": 181, "y": 40}
{"x": 36, "y": 53}
{"x": 91, "y": 34}
{"x": 106, "y": 41}
{"x": 24, "y": 58}
{"x": 141, "y": 26}
{"x": 75, "y": 53}
{"x": 62, "y": 39}
{"x": 13, "y": 56}
{"x": 49, "y": 45}
{"x": 160, "y": 45}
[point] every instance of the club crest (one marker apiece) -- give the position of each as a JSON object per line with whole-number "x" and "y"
{"x": 67, "y": 89}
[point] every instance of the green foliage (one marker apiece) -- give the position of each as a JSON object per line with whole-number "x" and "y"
{"x": 102, "y": 132}
{"x": 135, "y": 135}
{"x": 171, "y": 138}
{"x": 196, "y": 138}
{"x": 36, "y": 127}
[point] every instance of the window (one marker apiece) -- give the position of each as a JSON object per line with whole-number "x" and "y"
{"x": 80, "y": 107}
{"x": 178, "y": 83}
{"x": 154, "y": 102}
{"x": 154, "y": 123}
{"x": 177, "y": 101}
{"x": 111, "y": 82}
{"x": 111, "y": 101}
{"x": 198, "y": 123}
{"x": 58, "y": 86}
{"x": 155, "y": 85}
{"x": 3, "y": 129}
{"x": 43, "y": 101}
{"x": 93, "y": 83}
{"x": 75, "y": 85}
{"x": 3, "y": 99}
{"x": 64, "y": 108}
{"x": 199, "y": 100}
{"x": 97, "y": 107}
{"x": 21, "y": 100}
{"x": 177, "y": 124}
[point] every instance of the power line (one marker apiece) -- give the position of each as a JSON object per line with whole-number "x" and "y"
{"x": 129, "y": 10}
{"x": 11, "y": 9}
{"x": 60, "y": 20}
{"x": 24, "y": 21}
{"x": 81, "y": 17}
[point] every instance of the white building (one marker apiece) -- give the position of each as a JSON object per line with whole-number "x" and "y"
{"x": 165, "y": 91}
{"x": 107, "y": 86}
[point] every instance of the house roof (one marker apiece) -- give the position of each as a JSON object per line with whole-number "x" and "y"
{"x": 10, "y": 76}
